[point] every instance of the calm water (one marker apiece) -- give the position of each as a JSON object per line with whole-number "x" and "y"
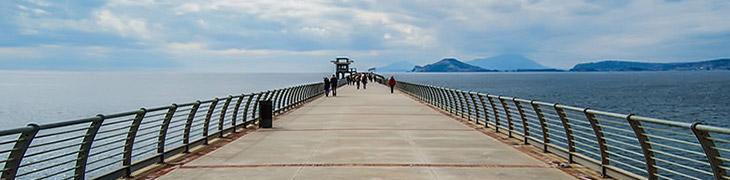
{"x": 44, "y": 97}
{"x": 680, "y": 96}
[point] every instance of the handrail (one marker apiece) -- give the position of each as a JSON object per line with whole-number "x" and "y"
{"x": 129, "y": 141}
{"x": 596, "y": 139}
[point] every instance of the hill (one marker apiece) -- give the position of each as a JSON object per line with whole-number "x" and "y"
{"x": 507, "y": 62}
{"x": 449, "y": 65}
{"x": 614, "y": 65}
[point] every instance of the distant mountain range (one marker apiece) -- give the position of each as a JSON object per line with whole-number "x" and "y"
{"x": 449, "y": 65}
{"x": 612, "y": 65}
{"x": 507, "y": 62}
{"x": 518, "y": 63}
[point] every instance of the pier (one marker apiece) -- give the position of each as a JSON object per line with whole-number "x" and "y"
{"x": 366, "y": 134}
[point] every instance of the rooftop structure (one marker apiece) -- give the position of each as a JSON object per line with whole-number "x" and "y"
{"x": 342, "y": 66}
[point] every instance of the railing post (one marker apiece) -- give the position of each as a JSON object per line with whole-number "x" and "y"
{"x": 510, "y": 127}
{"x": 495, "y": 112}
{"x": 462, "y": 102}
{"x": 525, "y": 127}
{"x": 282, "y": 99}
{"x": 18, "y": 152}
{"x": 245, "y": 108}
{"x": 446, "y": 99}
{"x": 83, "y": 155}
{"x": 645, "y": 148}
{"x": 703, "y": 137}
{"x": 484, "y": 109}
{"x": 452, "y": 103}
{"x": 543, "y": 125}
{"x": 441, "y": 98}
{"x": 568, "y": 131}
{"x": 601, "y": 140}
{"x": 460, "y": 96}
{"x": 189, "y": 124}
{"x": 291, "y": 97}
{"x": 129, "y": 142}
{"x": 163, "y": 132}
{"x": 222, "y": 117}
{"x": 422, "y": 92}
{"x": 476, "y": 100}
{"x": 256, "y": 105}
{"x": 235, "y": 112}
{"x": 309, "y": 91}
{"x": 415, "y": 92}
{"x": 431, "y": 96}
{"x": 206, "y": 123}
{"x": 300, "y": 92}
{"x": 274, "y": 97}
{"x": 473, "y": 107}
{"x": 295, "y": 96}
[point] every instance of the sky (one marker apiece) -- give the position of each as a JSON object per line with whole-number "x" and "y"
{"x": 302, "y": 35}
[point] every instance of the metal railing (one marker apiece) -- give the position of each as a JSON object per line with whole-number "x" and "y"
{"x": 112, "y": 146}
{"x": 623, "y": 146}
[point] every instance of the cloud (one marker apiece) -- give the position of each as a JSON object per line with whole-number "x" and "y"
{"x": 224, "y": 34}
{"x": 124, "y": 26}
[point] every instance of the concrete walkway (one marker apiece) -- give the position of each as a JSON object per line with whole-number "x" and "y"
{"x": 366, "y": 134}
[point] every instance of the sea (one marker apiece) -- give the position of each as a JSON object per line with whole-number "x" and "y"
{"x": 54, "y": 96}
{"x": 687, "y": 96}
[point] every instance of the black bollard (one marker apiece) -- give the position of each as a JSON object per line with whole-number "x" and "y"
{"x": 266, "y": 114}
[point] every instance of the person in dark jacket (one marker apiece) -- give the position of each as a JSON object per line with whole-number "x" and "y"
{"x": 333, "y": 84}
{"x": 326, "y": 86}
{"x": 391, "y": 83}
{"x": 357, "y": 81}
{"x": 364, "y": 82}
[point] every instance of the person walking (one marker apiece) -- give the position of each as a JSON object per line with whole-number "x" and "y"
{"x": 333, "y": 84}
{"x": 326, "y": 86}
{"x": 364, "y": 82}
{"x": 357, "y": 81}
{"x": 391, "y": 83}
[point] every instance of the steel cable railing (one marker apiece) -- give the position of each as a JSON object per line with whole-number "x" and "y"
{"x": 618, "y": 145}
{"x": 116, "y": 145}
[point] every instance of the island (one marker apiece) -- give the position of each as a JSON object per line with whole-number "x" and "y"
{"x": 615, "y": 65}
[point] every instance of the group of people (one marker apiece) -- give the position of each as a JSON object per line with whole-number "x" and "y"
{"x": 330, "y": 84}
{"x": 361, "y": 78}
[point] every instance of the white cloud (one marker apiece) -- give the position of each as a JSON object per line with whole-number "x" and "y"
{"x": 187, "y": 8}
{"x": 122, "y": 25}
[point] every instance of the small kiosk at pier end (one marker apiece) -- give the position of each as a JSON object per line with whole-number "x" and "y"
{"x": 342, "y": 67}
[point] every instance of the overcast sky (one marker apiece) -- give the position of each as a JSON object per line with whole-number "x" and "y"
{"x": 302, "y": 36}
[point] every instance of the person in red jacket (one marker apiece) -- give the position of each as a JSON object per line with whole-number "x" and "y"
{"x": 391, "y": 83}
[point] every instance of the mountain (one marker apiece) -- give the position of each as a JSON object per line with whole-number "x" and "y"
{"x": 613, "y": 65}
{"x": 449, "y": 65}
{"x": 400, "y": 66}
{"x": 507, "y": 62}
